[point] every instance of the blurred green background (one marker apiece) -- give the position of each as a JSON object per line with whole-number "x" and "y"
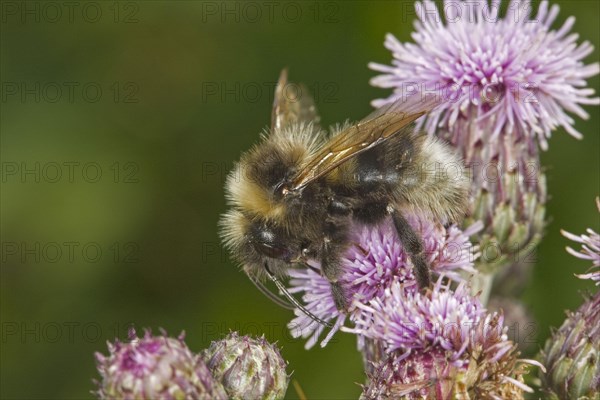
{"x": 119, "y": 122}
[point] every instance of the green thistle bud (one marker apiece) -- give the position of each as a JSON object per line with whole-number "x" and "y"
{"x": 509, "y": 196}
{"x": 572, "y": 355}
{"x": 248, "y": 368}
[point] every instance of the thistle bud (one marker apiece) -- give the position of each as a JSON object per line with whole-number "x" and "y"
{"x": 572, "y": 355}
{"x": 155, "y": 367}
{"x": 248, "y": 368}
{"x": 509, "y": 196}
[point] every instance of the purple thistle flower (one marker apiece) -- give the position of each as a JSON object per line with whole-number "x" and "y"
{"x": 373, "y": 264}
{"x": 590, "y": 250}
{"x": 153, "y": 367}
{"x": 408, "y": 320}
{"x": 514, "y": 74}
{"x": 441, "y": 344}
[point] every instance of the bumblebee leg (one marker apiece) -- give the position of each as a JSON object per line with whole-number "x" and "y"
{"x": 333, "y": 243}
{"x": 338, "y": 296}
{"x": 414, "y": 247}
{"x": 364, "y": 251}
{"x": 332, "y": 270}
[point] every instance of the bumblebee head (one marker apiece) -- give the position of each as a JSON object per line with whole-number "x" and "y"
{"x": 254, "y": 241}
{"x": 257, "y": 225}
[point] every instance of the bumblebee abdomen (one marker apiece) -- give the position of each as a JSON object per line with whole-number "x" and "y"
{"x": 370, "y": 181}
{"x": 376, "y": 173}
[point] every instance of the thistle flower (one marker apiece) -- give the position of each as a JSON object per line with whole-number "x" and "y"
{"x": 440, "y": 345}
{"x": 408, "y": 320}
{"x": 154, "y": 367}
{"x": 506, "y": 84}
{"x": 590, "y": 250}
{"x": 248, "y": 368}
{"x": 572, "y": 355}
{"x": 370, "y": 266}
{"x": 513, "y": 73}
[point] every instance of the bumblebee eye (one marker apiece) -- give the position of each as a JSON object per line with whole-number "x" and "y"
{"x": 268, "y": 244}
{"x": 280, "y": 253}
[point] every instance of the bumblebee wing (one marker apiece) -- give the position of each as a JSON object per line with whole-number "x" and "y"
{"x": 292, "y": 103}
{"x": 376, "y": 128}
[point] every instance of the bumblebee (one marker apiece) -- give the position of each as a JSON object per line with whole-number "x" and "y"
{"x": 295, "y": 195}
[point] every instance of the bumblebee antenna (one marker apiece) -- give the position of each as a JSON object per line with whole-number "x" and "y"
{"x": 271, "y": 296}
{"x": 293, "y": 300}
